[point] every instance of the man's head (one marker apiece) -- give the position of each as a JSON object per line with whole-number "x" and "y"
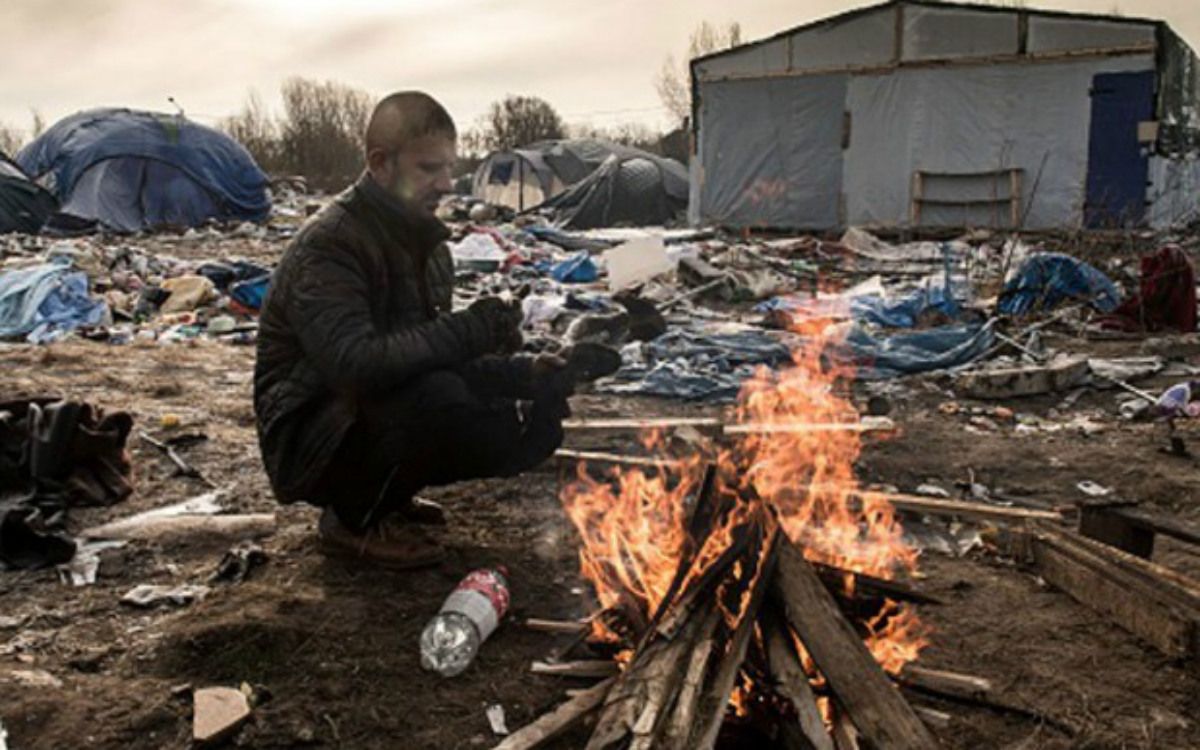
{"x": 411, "y": 148}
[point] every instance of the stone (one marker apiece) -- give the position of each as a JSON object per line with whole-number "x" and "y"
{"x": 217, "y": 712}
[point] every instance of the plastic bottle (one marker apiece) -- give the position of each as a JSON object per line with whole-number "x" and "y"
{"x": 466, "y": 619}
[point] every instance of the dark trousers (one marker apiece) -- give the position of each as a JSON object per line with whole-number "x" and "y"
{"x": 484, "y": 419}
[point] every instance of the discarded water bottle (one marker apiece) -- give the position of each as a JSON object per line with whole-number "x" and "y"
{"x": 466, "y": 619}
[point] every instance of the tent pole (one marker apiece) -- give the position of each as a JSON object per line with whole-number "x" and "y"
{"x": 521, "y": 183}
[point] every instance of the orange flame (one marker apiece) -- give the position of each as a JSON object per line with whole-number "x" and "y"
{"x": 632, "y": 529}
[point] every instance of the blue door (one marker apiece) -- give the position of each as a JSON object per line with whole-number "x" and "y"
{"x": 1117, "y": 164}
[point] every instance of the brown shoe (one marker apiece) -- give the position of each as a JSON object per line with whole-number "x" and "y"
{"x": 391, "y": 544}
{"x": 422, "y": 511}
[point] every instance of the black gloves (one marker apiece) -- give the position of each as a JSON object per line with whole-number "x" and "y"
{"x": 502, "y": 320}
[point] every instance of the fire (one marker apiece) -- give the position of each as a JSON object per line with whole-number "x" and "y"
{"x": 896, "y": 636}
{"x": 633, "y": 527}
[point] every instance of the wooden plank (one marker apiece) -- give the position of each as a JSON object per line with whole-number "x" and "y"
{"x": 1183, "y": 589}
{"x": 874, "y": 704}
{"x": 564, "y": 627}
{"x": 164, "y": 528}
{"x": 791, "y": 682}
{"x": 1172, "y": 527}
{"x": 648, "y": 462}
{"x": 711, "y": 707}
{"x": 1107, "y": 589}
{"x": 584, "y": 668}
{"x": 879, "y": 424}
{"x": 552, "y": 725}
{"x": 945, "y": 683}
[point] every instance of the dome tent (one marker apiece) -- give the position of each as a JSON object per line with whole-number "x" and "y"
{"x": 634, "y": 189}
{"x": 527, "y": 176}
{"x": 24, "y": 205}
{"x": 130, "y": 171}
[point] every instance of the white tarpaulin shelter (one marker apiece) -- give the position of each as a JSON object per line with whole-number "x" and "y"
{"x": 924, "y": 114}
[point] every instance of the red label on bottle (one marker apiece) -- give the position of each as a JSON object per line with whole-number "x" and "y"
{"x": 490, "y": 584}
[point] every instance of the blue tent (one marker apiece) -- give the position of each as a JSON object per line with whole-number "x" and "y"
{"x": 130, "y": 171}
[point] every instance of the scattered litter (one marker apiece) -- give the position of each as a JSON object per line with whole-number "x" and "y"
{"x": 495, "y": 717}
{"x": 149, "y": 595}
{"x": 636, "y": 262}
{"x": 1013, "y": 381}
{"x": 238, "y": 562}
{"x": 217, "y": 712}
{"x": 82, "y": 569}
{"x": 38, "y": 678}
{"x": 1090, "y": 488}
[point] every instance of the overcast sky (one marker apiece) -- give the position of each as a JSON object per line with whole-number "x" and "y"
{"x": 595, "y": 61}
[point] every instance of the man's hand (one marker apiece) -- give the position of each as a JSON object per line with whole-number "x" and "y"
{"x": 551, "y": 375}
{"x": 503, "y": 320}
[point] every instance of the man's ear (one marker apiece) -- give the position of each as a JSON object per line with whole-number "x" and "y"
{"x": 377, "y": 159}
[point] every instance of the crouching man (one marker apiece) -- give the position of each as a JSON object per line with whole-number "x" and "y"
{"x": 368, "y": 386}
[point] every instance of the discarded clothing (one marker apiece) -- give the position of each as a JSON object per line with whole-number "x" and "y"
{"x": 568, "y": 240}
{"x": 694, "y": 365}
{"x": 1045, "y": 280}
{"x": 223, "y": 274}
{"x": 1166, "y": 299}
{"x": 252, "y": 292}
{"x": 1178, "y": 401}
{"x": 55, "y": 455}
{"x": 187, "y": 293}
{"x": 578, "y": 269}
{"x": 46, "y": 301}
{"x": 880, "y": 357}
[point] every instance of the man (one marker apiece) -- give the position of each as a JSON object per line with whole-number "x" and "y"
{"x": 368, "y": 386}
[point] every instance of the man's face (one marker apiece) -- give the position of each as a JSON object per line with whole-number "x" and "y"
{"x": 419, "y": 173}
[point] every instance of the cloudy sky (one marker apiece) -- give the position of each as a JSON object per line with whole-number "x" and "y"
{"x": 594, "y": 61}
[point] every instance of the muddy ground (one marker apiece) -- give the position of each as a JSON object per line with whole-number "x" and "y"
{"x": 334, "y": 648}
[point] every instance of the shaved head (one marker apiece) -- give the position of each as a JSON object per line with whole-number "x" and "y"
{"x": 404, "y": 117}
{"x": 411, "y": 149}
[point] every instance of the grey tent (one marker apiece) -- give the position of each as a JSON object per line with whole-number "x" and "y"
{"x": 929, "y": 114}
{"x": 526, "y": 177}
{"x": 24, "y": 205}
{"x": 632, "y": 189}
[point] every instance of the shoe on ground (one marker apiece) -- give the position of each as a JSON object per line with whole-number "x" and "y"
{"x": 588, "y": 361}
{"x": 424, "y": 512}
{"x": 391, "y": 544}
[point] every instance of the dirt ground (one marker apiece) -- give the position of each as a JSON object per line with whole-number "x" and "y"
{"x": 333, "y": 649}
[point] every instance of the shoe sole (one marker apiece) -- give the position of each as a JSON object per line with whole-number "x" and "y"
{"x": 340, "y": 552}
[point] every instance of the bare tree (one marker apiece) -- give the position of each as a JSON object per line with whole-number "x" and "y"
{"x": 674, "y": 80}
{"x": 520, "y": 120}
{"x": 37, "y": 123}
{"x": 321, "y": 136}
{"x": 634, "y": 134}
{"x": 11, "y": 140}
{"x": 258, "y": 131}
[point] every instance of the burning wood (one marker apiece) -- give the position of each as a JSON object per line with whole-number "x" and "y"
{"x": 694, "y": 558}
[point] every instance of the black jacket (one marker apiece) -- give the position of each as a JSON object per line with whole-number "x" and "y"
{"x": 360, "y": 303}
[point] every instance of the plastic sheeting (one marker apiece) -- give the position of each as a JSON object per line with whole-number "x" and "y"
{"x": 637, "y": 190}
{"x": 694, "y": 365}
{"x": 42, "y": 302}
{"x": 948, "y": 33}
{"x": 971, "y": 120}
{"x": 771, "y": 151}
{"x": 1174, "y": 192}
{"x": 1046, "y": 280}
{"x": 880, "y": 357}
{"x": 1050, "y": 34}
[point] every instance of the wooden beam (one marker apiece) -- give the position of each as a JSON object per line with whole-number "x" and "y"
{"x": 874, "y": 704}
{"x": 945, "y": 683}
{"x": 1131, "y": 602}
{"x": 552, "y": 725}
{"x": 163, "y": 528}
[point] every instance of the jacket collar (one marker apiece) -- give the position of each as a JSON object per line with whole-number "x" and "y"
{"x": 418, "y": 229}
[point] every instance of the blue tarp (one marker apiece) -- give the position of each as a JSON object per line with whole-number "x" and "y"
{"x": 1047, "y": 279}
{"x": 694, "y": 365}
{"x": 878, "y": 357}
{"x": 45, "y": 301}
{"x": 131, "y": 171}
{"x": 577, "y": 269}
{"x": 251, "y": 292}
